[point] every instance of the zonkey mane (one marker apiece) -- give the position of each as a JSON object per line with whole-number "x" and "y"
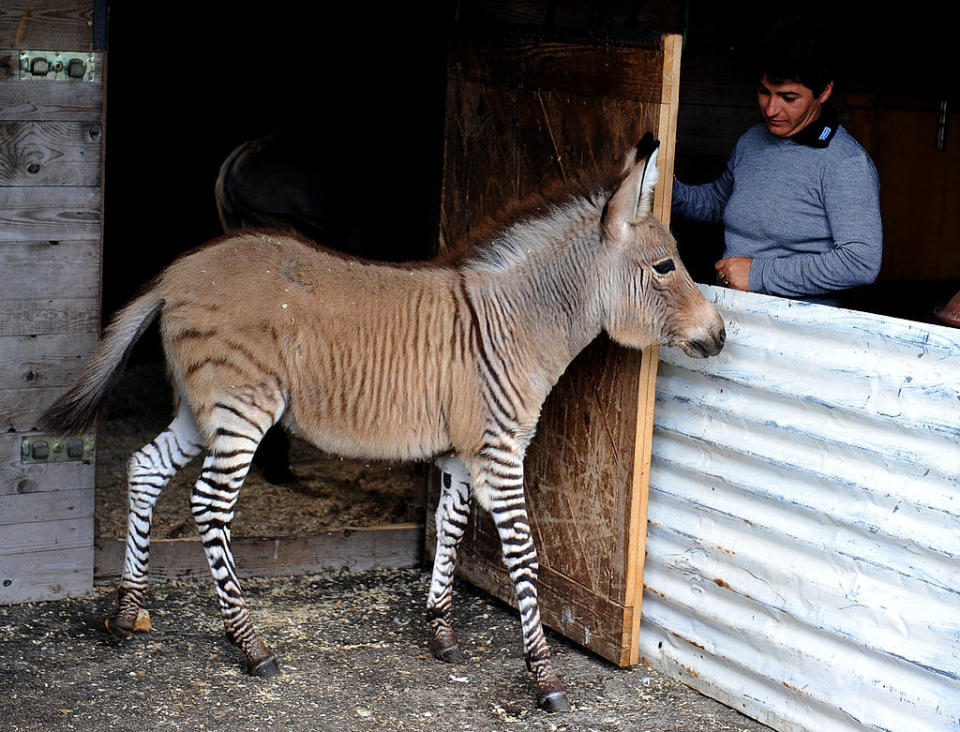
{"x": 497, "y": 242}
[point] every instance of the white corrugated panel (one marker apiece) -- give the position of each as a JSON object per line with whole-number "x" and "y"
{"x": 803, "y": 557}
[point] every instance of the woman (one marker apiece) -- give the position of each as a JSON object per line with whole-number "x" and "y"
{"x": 799, "y": 198}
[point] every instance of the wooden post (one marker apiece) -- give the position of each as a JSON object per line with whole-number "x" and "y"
{"x": 521, "y": 112}
{"x": 51, "y": 141}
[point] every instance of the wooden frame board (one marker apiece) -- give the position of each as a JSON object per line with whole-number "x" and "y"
{"x": 522, "y": 110}
{"x": 51, "y": 175}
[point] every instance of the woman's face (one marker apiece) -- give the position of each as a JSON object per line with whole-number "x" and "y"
{"x": 789, "y": 107}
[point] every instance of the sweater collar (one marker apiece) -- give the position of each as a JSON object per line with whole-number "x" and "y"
{"x": 819, "y": 132}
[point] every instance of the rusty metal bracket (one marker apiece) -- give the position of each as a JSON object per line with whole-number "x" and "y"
{"x": 57, "y": 66}
{"x": 57, "y": 449}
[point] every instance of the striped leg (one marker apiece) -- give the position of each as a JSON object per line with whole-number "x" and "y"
{"x": 508, "y": 508}
{"x": 149, "y": 470}
{"x": 452, "y": 515}
{"x": 242, "y": 423}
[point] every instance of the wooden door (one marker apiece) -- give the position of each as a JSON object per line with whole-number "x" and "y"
{"x": 523, "y": 110}
{"x": 51, "y": 138}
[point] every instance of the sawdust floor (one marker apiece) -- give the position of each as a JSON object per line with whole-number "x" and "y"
{"x": 354, "y": 655}
{"x": 353, "y": 647}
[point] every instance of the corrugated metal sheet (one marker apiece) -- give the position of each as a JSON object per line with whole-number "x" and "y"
{"x": 803, "y": 557}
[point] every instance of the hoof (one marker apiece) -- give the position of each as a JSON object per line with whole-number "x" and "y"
{"x": 117, "y": 627}
{"x": 450, "y": 654}
{"x": 266, "y": 668}
{"x": 553, "y": 701}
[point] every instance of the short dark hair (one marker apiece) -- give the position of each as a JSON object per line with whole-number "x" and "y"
{"x": 797, "y": 49}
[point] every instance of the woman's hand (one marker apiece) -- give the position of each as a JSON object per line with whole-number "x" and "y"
{"x": 734, "y": 272}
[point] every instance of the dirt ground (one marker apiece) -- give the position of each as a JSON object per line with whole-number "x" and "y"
{"x": 353, "y": 647}
{"x": 354, "y": 656}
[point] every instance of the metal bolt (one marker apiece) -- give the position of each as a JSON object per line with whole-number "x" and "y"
{"x": 76, "y": 68}
{"x": 40, "y": 66}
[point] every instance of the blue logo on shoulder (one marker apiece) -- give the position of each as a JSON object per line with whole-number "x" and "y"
{"x": 825, "y": 134}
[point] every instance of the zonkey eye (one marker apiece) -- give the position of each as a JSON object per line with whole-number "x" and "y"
{"x": 665, "y": 266}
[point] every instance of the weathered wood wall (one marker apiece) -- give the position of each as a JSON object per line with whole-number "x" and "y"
{"x": 51, "y": 136}
{"x": 522, "y": 110}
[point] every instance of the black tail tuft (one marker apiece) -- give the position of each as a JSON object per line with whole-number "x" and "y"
{"x": 78, "y": 409}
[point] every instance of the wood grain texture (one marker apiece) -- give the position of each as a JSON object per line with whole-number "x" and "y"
{"x": 518, "y": 117}
{"x": 64, "y": 535}
{"x": 47, "y": 24}
{"x": 60, "y": 505}
{"x": 29, "y": 213}
{"x": 569, "y": 66}
{"x": 39, "y": 269}
{"x": 55, "y": 360}
{"x": 46, "y": 575}
{"x": 21, "y": 408}
{"x": 348, "y": 549}
{"x": 50, "y": 153}
{"x": 48, "y": 100}
{"x": 51, "y": 165}
{"x": 18, "y": 478}
{"x": 37, "y": 317}
{"x": 584, "y": 617}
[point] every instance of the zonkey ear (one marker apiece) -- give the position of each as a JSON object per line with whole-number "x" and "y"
{"x": 633, "y": 200}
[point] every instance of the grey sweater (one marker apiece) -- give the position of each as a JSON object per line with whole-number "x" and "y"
{"x": 809, "y": 217}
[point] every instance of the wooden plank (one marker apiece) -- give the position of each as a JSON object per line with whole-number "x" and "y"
{"x": 64, "y": 535}
{"x": 540, "y": 136}
{"x": 592, "y": 620}
{"x": 639, "y": 502}
{"x": 914, "y": 176}
{"x": 36, "y": 317}
{"x": 519, "y": 113}
{"x": 53, "y": 360}
{"x": 667, "y": 126}
{"x": 38, "y": 269}
{"x": 24, "y": 508}
{"x": 612, "y": 14}
{"x": 348, "y": 549}
{"x": 592, "y": 69}
{"x": 47, "y": 575}
{"x": 50, "y": 153}
{"x": 73, "y": 89}
{"x": 47, "y": 24}
{"x": 579, "y": 468}
{"x": 580, "y": 614}
{"x": 46, "y": 100}
{"x": 20, "y": 408}
{"x": 29, "y": 213}
{"x": 646, "y": 382}
{"x": 19, "y": 478}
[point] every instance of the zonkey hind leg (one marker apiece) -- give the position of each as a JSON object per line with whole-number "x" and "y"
{"x": 148, "y": 471}
{"x": 241, "y": 423}
{"x": 453, "y": 513}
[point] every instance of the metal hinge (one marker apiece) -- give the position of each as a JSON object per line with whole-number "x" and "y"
{"x": 60, "y": 449}
{"x": 57, "y": 65}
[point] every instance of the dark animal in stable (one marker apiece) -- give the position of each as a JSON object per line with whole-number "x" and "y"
{"x": 277, "y": 182}
{"x": 450, "y": 361}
